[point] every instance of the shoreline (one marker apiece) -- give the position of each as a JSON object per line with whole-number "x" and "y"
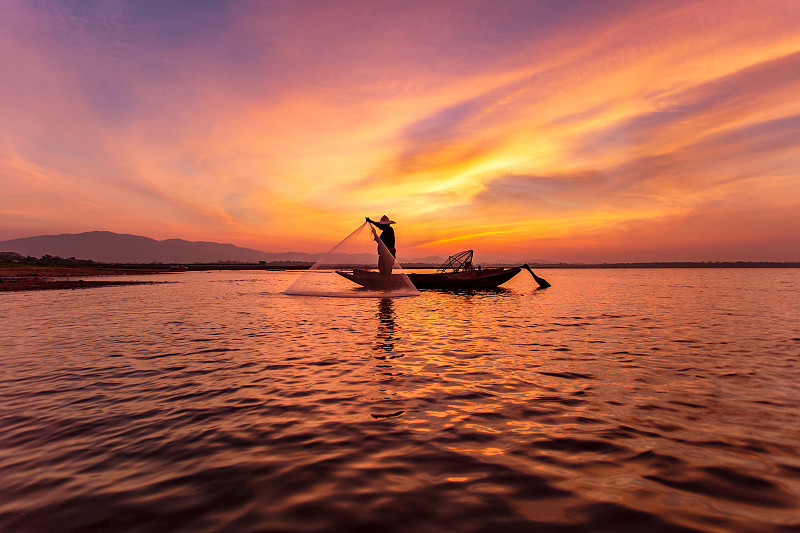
{"x": 16, "y": 277}
{"x": 430, "y": 266}
{"x": 19, "y": 277}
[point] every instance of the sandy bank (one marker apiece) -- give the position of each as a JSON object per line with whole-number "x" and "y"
{"x": 18, "y": 277}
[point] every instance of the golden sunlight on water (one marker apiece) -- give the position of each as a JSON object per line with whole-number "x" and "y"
{"x": 657, "y": 400}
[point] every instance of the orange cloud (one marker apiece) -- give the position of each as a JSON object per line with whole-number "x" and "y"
{"x": 571, "y": 129}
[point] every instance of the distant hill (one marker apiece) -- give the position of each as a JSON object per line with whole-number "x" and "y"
{"x": 106, "y": 246}
{"x": 109, "y": 247}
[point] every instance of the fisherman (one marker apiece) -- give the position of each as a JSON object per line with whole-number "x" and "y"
{"x": 387, "y": 232}
{"x": 385, "y": 264}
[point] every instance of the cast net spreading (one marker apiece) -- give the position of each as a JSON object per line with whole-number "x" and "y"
{"x": 359, "y": 266}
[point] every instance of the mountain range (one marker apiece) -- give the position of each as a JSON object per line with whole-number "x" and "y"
{"x": 109, "y": 247}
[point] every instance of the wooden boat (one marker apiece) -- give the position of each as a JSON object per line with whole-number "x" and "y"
{"x": 488, "y": 278}
{"x": 456, "y": 273}
{"x": 375, "y": 281}
{"x": 485, "y": 278}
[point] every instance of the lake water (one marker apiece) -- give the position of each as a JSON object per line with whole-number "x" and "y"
{"x": 617, "y": 400}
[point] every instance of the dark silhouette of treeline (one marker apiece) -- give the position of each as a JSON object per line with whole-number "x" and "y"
{"x": 47, "y": 260}
{"x": 55, "y": 261}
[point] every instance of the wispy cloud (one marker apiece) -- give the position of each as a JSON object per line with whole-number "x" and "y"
{"x": 574, "y": 128}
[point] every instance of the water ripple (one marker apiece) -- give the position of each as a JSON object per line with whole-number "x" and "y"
{"x": 609, "y": 402}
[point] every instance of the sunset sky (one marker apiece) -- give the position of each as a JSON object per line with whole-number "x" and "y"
{"x": 558, "y": 130}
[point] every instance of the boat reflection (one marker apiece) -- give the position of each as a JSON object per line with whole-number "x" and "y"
{"x": 387, "y": 404}
{"x": 387, "y": 328}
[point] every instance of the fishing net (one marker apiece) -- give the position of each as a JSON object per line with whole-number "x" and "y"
{"x": 359, "y": 266}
